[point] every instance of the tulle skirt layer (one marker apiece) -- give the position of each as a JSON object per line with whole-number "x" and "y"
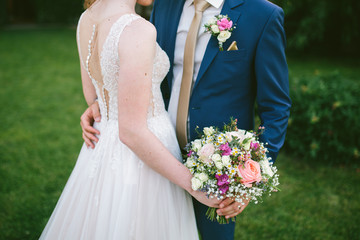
{"x": 111, "y": 194}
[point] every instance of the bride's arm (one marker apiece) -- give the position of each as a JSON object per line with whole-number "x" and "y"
{"x": 136, "y": 51}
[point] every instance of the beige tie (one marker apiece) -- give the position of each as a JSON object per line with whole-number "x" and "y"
{"x": 188, "y": 73}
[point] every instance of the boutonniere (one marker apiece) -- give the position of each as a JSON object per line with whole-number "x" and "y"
{"x": 220, "y": 27}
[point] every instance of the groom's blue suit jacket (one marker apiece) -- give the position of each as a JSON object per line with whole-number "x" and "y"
{"x": 229, "y": 83}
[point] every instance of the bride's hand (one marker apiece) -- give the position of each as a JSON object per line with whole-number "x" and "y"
{"x": 204, "y": 199}
{"x": 86, "y": 121}
{"x": 230, "y": 208}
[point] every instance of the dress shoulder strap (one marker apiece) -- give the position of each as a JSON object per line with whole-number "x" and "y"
{"x": 109, "y": 54}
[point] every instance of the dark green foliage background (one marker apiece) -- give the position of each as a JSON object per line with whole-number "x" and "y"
{"x": 323, "y": 26}
{"x": 324, "y": 124}
{"x": 326, "y": 26}
{"x": 64, "y": 11}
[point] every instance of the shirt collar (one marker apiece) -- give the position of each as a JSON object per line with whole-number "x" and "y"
{"x": 214, "y": 3}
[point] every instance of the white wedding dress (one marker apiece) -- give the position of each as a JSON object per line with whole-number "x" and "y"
{"x": 111, "y": 194}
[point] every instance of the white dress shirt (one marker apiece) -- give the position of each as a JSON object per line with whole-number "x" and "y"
{"x": 202, "y": 41}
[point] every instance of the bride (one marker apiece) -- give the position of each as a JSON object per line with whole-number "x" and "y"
{"x": 132, "y": 185}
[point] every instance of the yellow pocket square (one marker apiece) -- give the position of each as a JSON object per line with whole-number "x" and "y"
{"x": 232, "y": 47}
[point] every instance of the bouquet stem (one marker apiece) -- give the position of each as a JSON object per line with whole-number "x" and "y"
{"x": 213, "y": 216}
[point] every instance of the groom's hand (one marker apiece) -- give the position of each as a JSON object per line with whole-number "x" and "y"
{"x": 230, "y": 208}
{"x": 86, "y": 121}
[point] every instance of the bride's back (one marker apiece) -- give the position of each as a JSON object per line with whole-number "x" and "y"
{"x": 94, "y": 42}
{"x": 103, "y": 47}
{"x": 103, "y": 17}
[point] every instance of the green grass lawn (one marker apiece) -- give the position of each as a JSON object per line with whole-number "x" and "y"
{"x": 40, "y": 137}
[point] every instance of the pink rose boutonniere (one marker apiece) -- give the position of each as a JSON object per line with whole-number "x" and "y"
{"x": 220, "y": 27}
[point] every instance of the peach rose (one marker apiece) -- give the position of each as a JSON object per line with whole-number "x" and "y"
{"x": 249, "y": 173}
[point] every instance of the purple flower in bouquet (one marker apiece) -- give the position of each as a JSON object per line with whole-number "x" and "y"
{"x": 223, "y": 183}
{"x": 226, "y": 150}
{"x": 190, "y": 153}
{"x": 254, "y": 146}
{"x": 223, "y": 189}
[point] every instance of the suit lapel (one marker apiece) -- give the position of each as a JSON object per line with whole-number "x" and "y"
{"x": 212, "y": 49}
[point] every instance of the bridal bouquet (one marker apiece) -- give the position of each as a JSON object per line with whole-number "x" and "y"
{"x": 230, "y": 163}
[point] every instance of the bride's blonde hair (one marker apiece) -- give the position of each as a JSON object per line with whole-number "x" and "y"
{"x": 88, "y": 3}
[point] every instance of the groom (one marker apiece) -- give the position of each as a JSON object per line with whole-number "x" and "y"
{"x": 206, "y": 86}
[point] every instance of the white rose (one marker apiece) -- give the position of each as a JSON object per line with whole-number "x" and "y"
{"x": 226, "y": 160}
{"x": 240, "y": 134}
{"x": 215, "y": 28}
{"x": 265, "y": 166}
{"x": 219, "y": 165}
{"x": 216, "y": 157}
{"x": 223, "y": 36}
{"x": 208, "y": 131}
{"x": 241, "y": 131}
{"x": 249, "y": 135}
{"x": 196, "y": 145}
{"x": 195, "y": 183}
{"x": 203, "y": 177}
{"x": 247, "y": 145}
{"x": 190, "y": 163}
{"x": 212, "y": 21}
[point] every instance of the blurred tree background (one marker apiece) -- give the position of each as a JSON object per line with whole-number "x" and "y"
{"x": 322, "y": 26}
{"x": 319, "y": 27}
{"x": 42, "y": 12}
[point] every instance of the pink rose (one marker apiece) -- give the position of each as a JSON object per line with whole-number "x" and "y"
{"x": 249, "y": 173}
{"x": 206, "y": 151}
{"x": 224, "y": 24}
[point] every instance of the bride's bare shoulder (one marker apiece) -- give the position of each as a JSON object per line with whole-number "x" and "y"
{"x": 139, "y": 37}
{"x": 140, "y": 30}
{"x": 141, "y": 27}
{"x": 84, "y": 19}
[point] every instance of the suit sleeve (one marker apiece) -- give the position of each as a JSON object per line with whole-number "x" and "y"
{"x": 271, "y": 72}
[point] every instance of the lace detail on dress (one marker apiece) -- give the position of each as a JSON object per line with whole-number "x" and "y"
{"x": 110, "y": 68}
{"x": 160, "y": 69}
{"x": 110, "y": 61}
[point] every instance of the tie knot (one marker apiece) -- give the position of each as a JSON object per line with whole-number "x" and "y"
{"x": 201, "y": 5}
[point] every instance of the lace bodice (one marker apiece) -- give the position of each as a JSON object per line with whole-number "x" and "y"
{"x": 105, "y": 78}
